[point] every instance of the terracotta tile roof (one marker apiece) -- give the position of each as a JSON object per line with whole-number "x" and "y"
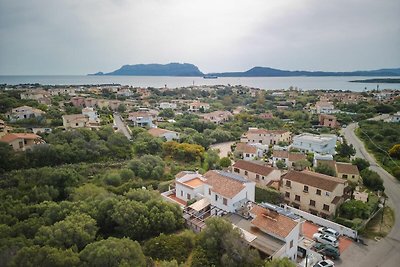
{"x": 245, "y": 148}
{"x": 280, "y": 154}
{"x": 140, "y": 114}
{"x": 314, "y": 179}
{"x": 272, "y": 222}
{"x": 223, "y": 185}
{"x": 347, "y": 168}
{"x": 183, "y": 173}
{"x": 75, "y": 117}
{"x": 158, "y": 131}
{"x": 196, "y": 182}
{"x": 253, "y": 167}
{"x": 296, "y": 157}
{"x": 330, "y": 163}
{"x": 13, "y": 136}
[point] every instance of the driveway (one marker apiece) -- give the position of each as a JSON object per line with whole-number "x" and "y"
{"x": 224, "y": 148}
{"x": 384, "y": 253}
{"x": 122, "y": 128}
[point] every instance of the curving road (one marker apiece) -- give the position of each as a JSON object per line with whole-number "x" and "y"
{"x": 119, "y": 123}
{"x": 386, "y": 252}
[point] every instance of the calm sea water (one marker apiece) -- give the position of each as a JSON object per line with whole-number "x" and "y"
{"x": 305, "y": 83}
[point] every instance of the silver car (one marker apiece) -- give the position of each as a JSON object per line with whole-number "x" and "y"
{"x": 326, "y": 239}
{"x": 328, "y": 231}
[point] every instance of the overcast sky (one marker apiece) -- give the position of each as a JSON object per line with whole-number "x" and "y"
{"x": 86, "y": 36}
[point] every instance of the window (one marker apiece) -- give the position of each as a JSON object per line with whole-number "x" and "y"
{"x": 246, "y": 173}
{"x": 344, "y": 176}
{"x": 21, "y": 144}
{"x": 291, "y": 243}
{"x": 209, "y": 191}
{"x": 326, "y": 207}
{"x": 288, "y": 183}
{"x": 318, "y": 192}
{"x": 225, "y": 201}
{"x": 188, "y": 196}
{"x": 263, "y": 177}
{"x": 327, "y": 194}
{"x": 305, "y": 189}
{"x": 216, "y": 197}
{"x": 297, "y": 198}
{"x": 287, "y": 194}
{"x": 236, "y": 170}
{"x": 312, "y": 202}
{"x": 247, "y": 155}
{"x": 181, "y": 193}
{"x": 257, "y": 177}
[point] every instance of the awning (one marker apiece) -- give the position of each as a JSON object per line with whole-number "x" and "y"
{"x": 201, "y": 204}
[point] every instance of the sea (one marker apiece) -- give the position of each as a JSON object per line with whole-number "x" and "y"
{"x": 267, "y": 83}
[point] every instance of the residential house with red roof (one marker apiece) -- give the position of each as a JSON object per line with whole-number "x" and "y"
{"x": 261, "y": 174}
{"x": 288, "y": 157}
{"x": 265, "y": 137}
{"x": 163, "y": 133}
{"x": 22, "y": 141}
{"x": 316, "y": 193}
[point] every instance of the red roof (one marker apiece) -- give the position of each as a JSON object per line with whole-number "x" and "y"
{"x": 13, "y": 136}
{"x": 253, "y": 167}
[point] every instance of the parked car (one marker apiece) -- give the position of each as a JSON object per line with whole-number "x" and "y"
{"x": 326, "y": 239}
{"x": 325, "y": 263}
{"x": 327, "y": 250}
{"x": 329, "y": 231}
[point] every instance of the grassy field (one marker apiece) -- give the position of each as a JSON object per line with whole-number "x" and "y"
{"x": 375, "y": 228}
{"x": 379, "y": 137}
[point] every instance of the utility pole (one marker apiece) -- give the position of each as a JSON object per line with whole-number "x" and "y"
{"x": 383, "y": 212}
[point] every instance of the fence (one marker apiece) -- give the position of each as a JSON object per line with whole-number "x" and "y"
{"x": 343, "y": 230}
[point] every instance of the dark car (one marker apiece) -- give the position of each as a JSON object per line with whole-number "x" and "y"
{"x": 327, "y": 250}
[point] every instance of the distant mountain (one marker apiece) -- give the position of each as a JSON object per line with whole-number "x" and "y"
{"x": 171, "y": 69}
{"x": 186, "y": 69}
{"x": 270, "y": 72}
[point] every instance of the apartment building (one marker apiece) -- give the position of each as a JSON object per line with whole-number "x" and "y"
{"x": 342, "y": 169}
{"x": 261, "y": 174}
{"x": 321, "y": 144}
{"x": 265, "y": 137}
{"x": 316, "y": 193}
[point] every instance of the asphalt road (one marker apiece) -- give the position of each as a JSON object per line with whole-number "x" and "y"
{"x": 386, "y": 252}
{"x": 121, "y": 126}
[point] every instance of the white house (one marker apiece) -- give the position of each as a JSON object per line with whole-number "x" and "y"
{"x": 394, "y": 118}
{"x": 91, "y": 114}
{"x": 163, "y": 133}
{"x": 218, "y": 117}
{"x": 166, "y": 105}
{"x": 224, "y": 190}
{"x": 24, "y": 112}
{"x": 197, "y": 106}
{"x": 142, "y": 119}
{"x": 248, "y": 151}
{"x": 321, "y": 144}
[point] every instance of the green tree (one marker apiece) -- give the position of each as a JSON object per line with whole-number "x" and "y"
{"x": 113, "y": 252}
{"x": 360, "y": 163}
{"x": 225, "y": 162}
{"x": 325, "y": 169}
{"x": 199, "y": 258}
{"x": 75, "y": 230}
{"x": 222, "y": 245}
{"x": 148, "y": 167}
{"x": 354, "y": 209}
{"x": 280, "y": 164}
{"x": 45, "y": 257}
{"x": 372, "y": 180}
{"x": 280, "y": 262}
{"x": 345, "y": 150}
{"x": 167, "y": 113}
{"x": 121, "y": 108}
{"x": 301, "y": 165}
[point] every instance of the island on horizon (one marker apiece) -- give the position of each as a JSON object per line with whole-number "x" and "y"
{"x": 191, "y": 70}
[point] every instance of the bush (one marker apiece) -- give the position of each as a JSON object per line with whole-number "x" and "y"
{"x": 268, "y": 195}
{"x": 225, "y": 162}
{"x": 372, "y": 180}
{"x": 360, "y": 163}
{"x": 325, "y": 169}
